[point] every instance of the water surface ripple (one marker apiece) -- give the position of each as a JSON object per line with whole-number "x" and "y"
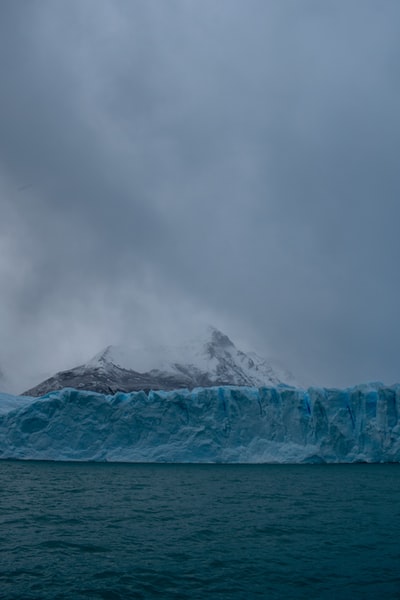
{"x": 121, "y": 531}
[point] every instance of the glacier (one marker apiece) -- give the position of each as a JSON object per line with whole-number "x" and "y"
{"x": 228, "y": 424}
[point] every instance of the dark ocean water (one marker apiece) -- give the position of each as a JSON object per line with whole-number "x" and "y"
{"x": 119, "y": 531}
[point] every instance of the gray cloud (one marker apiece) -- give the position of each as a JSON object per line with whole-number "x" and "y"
{"x": 166, "y": 163}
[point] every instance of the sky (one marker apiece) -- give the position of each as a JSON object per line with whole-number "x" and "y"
{"x": 169, "y": 164}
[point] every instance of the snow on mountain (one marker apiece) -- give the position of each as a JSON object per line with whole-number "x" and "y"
{"x": 218, "y": 424}
{"x": 212, "y": 359}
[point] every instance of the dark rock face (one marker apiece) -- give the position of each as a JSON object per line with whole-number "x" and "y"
{"x": 115, "y": 379}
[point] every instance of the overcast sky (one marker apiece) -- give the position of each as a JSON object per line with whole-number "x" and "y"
{"x": 168, "y": 163}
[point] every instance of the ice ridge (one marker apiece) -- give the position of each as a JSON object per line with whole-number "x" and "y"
{"x": 279, "y": 424}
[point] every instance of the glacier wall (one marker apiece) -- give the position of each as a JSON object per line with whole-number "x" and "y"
{"x": 221, "y": 424}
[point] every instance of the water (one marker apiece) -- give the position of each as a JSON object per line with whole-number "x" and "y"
{"x": 199, "y": 531}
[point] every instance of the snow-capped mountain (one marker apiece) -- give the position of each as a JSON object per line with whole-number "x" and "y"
{"x": 210, "y": 360}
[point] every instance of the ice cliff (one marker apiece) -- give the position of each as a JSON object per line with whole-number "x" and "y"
{"x": 219, "y": 424}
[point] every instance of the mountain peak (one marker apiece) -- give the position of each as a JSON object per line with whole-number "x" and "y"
{"x": 212, "y": 359}
{"x": 219, "y": 339}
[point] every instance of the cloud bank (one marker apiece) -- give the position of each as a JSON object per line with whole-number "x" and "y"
{"x": 165, "y": 164}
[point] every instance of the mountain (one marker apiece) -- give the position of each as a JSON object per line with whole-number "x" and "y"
{"x": 219, "y": 424}
{"x": 210, "y": 360}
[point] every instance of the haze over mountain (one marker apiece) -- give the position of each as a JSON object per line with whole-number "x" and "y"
{"x": 211, "y": 359}
{"x": 2, "y": 378}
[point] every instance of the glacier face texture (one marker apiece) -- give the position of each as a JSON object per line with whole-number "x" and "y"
{"x": 220, "y": 424}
